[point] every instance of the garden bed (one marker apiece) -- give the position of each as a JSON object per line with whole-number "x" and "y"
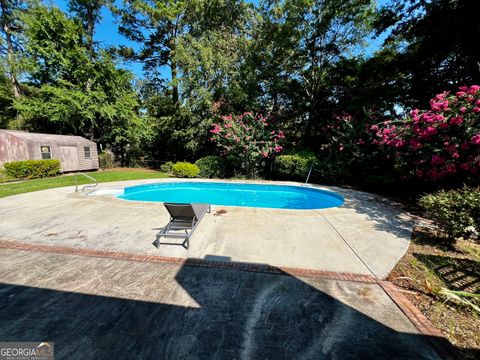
{"x": 431, "y": 264}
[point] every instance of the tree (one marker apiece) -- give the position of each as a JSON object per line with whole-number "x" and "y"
{"x": 88, "y": 11}
{"x": 434, "y": 44}
{"x": 300, "y": 44}
{"x": 156, "y": 26}
{"x": 9, "y": 41}
{"x": 56, "y": 99}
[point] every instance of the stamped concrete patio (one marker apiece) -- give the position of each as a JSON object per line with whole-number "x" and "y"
{"x": 82, "y": 271}
{"x": 367, "y": 235}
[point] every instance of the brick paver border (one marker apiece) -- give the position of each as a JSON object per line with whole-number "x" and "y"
{"x": 424, "y": 326}
{"x": 231, "y": 265}
{"x": 443, "y": 347}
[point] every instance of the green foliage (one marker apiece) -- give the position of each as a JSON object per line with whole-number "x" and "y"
{"x": 185, "y": 170}
{"x": 60, "y": 181}
{"x": 212, "y": 167}
{"x": 249, "y": 140}
{"x": 457, "y": 212}
{"x": 73, "y": 92}
{"x": 294, "y": 166}
{"x": 32, "y": 169}
{"x": 434, "y": 57}
{"x": 167, "y": 167}
{"x": 106, "y": 160}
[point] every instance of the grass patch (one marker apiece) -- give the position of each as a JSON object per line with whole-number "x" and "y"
{"x": 431, "y": 266}
{"x": 68, "y": 180}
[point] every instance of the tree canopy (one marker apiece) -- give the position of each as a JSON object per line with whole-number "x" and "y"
{"x": 308, "y": 64}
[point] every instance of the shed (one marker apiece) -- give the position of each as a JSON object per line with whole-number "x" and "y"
{"x": 74, "y": 152}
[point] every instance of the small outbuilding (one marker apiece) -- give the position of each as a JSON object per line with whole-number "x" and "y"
{"x": 74, "y": 152}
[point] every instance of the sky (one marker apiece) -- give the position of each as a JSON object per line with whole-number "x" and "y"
{"x": 106, "y": 33}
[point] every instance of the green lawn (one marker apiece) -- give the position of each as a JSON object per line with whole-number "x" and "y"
{"x": 7, "y": 189}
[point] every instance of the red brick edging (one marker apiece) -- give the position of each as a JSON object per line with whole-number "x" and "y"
{"x": 443, "y": 347}
{"x": 424, "y": 326}
{"x": 232, "y": 265}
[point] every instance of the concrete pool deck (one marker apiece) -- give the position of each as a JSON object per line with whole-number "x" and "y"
{"x": 367, "y": 235}
{"x": 107, "y": 308}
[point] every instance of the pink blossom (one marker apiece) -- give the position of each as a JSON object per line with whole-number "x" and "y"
{"x": 451, "y": 168}
{"x": 264, "y": 154}
{"x": 473, "y": 89}
{"x": 281, "y": 135}
{"x": 476, "y": 109}
{"x": 475, "y": 139}
{"x": 216, "y": 129}
{"x": 457, "y": 120}
{"x": 431, "y": 131}
{"x": 464, "y": 166}
{"x": 463, "y": 109}
{"x": 278, "y": 148}
{"x": 437, "y": 160}
{"x": 415, "y": 145}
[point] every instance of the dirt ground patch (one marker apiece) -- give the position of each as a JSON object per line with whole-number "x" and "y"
{"x": 432, "y": 264}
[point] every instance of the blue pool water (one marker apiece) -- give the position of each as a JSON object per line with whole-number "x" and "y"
{"x": 234, "y": 194}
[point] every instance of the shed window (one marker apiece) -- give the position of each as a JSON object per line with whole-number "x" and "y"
{"x": 46, "y": 152}
{"x": 86, "y": 151}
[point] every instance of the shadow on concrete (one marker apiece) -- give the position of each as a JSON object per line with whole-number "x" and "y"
{"x": 241, "y": 315}
{"x": 387, "y": 215}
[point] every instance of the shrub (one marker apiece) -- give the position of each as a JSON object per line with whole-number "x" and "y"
{"x": 294, "y": 166}
{"x": 185, "y": 169}
{"x": 167, "y": 167}
{"x": 106, "y": 160}
{"x": 441, "y": 142}
{"x": 212, "y": 167}
{"x": 32, "y": 169}
{"x": 249, "y": 140}
{"x": 457, "y": 212}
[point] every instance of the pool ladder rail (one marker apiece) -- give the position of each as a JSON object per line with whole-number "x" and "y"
{"x": 88, "y": 186}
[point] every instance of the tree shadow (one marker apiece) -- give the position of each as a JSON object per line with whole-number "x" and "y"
{"x": 457, "y": 273}
{"x": 387, "y": 215}
{"x": 239, "y": 315}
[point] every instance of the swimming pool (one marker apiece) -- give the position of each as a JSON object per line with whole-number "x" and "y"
{"x": 235, "y": 194}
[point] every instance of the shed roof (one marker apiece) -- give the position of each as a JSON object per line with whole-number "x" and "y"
{"x": 48, "y": 138}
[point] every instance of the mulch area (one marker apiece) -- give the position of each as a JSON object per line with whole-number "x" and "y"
{"x": 430, "y": 264}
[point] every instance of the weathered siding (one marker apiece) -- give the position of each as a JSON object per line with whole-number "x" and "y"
{"x": 73, "y": 161}
{"x": 12, "y": 149}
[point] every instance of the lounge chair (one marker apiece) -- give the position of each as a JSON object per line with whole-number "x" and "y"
{"x": 183, "y": 217}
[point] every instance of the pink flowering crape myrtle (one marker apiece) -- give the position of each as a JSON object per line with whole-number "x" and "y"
{"x": 439, "y": 142}
{"x": 249, "y": 139}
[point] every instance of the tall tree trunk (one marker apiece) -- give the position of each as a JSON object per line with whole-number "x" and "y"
{"x": 173, "y": 70}
{"x": 90, "y": 28}
{"x": 10, "y": 50}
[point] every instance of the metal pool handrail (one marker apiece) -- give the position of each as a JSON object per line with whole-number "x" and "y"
{"x": 309, "y": 173}
{"x": 86, "y": 186}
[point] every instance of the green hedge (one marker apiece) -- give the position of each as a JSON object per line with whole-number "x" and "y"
{"x": 167, "y": 167}
{"x": 185, "y": 170}
{"x": 212, "y": 167}
{"x": 32, "y": 169}
{"x": 293, "y": 166}
{"x": 106, "y": 160}
{"x": 456, "y": 212}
